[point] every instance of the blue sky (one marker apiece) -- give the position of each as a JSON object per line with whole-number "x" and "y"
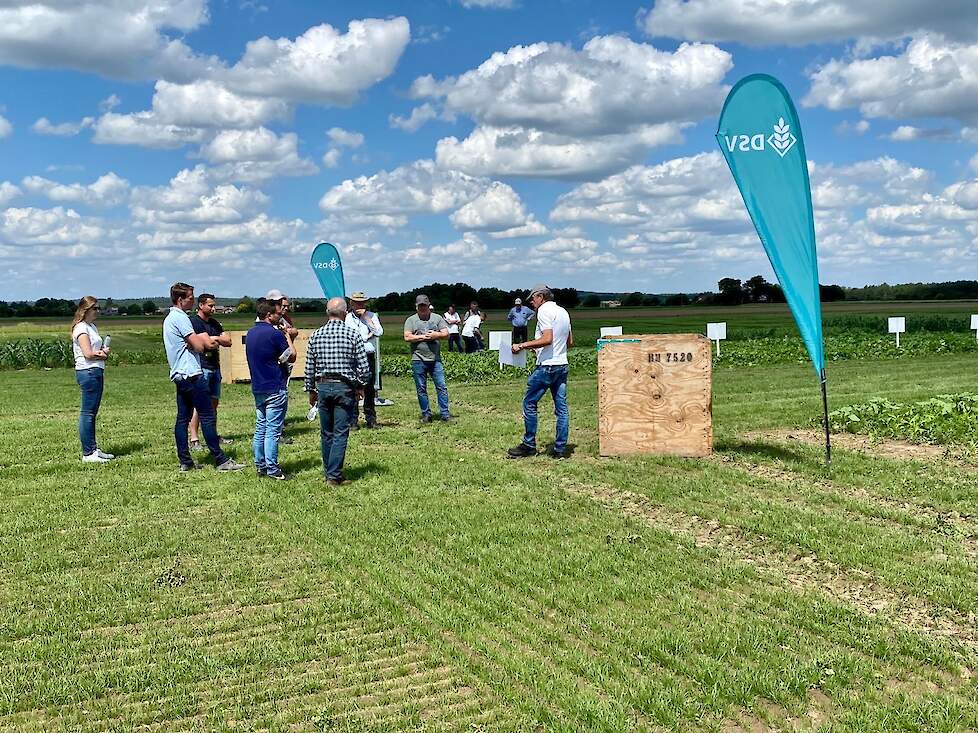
{"x": 499, "y": 142}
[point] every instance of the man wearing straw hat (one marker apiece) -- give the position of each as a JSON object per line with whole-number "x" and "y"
{"x": 367, "y": 324}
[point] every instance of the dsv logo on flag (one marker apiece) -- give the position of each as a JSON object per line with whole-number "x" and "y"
{"x": 332, "y": 265}
{"x": 781, "y": 140}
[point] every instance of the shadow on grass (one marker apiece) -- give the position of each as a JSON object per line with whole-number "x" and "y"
{"x": 776, "y": 451}
{"x": 351, "y": 472}
{"x": 130, "y": 447}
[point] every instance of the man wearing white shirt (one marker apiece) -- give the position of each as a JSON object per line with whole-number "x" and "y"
{"x": 553, "y": 338}
{"x": 367, "y": 324}
{"x": 454, "y": 321}
{"x": 471, "y": 334}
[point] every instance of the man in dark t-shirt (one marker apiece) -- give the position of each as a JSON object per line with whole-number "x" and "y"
{"x": 203, "y": 321}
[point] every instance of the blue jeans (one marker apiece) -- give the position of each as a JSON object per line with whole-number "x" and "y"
{"x": 212, "y": 380}
{"x": 92, "y": 382}
{"x": 421, "y": 371}
{"x": 193, "y": 393}
{"x": 270, "y": 409}
{"x": 337, "y": 411}
{"x": 543, "y": 378}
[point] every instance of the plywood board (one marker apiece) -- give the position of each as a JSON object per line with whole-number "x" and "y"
{"x": 234, "y": 360}
{"x": 655, "y": 395}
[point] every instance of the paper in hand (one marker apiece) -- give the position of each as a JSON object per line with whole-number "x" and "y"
{"x": 506, "y": 356}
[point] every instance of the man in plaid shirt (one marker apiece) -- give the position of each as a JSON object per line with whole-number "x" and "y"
{"x": 336, "y": 371}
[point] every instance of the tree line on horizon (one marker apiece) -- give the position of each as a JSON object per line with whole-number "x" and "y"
{"x": 730, "y": 291}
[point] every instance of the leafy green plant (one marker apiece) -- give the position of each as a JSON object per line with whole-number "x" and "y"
{"x": 947, "y": 419}
{"x": 32, "y": 353}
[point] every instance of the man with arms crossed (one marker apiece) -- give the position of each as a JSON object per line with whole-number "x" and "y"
{"x": 553, "y": 338}
{"x": 182, "y": 346}
{"x": 269, "y": 351}
{"x": 336, "y": 371}
{"x": 210, "y": 361}
{"x": 423, "y": 331}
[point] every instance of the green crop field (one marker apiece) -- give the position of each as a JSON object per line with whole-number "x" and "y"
{"x": 448, "y": 588}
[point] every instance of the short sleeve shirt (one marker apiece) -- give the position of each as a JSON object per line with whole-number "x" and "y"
{"x": 96, "y": 341}
{"x": 551, "y": 316}
{"x": 264, "y": 346}
{"x": 425, "y": 350}
{"x": 210, "y": 359}
{"x": 183, "y": 360}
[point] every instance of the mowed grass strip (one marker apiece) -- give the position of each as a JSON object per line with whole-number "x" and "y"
{"x": 449, "y": 588}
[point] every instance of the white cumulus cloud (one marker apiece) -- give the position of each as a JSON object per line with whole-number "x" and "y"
{"x": 498, "y": 209}
{"x": 256, "y": 155}
{"x": 5, "y": 127}
{"x": 107, "y": 191}
{"x": 550, "y": 110}
{"x": 930, "y": 77}
{"x": 418, "y": 188}
{"x": 8, "y": 192}
{"x": 120, "y": 39}
{"x": 799, "y": 22}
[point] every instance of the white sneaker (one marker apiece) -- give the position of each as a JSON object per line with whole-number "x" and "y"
{"x": 94, "y": 457}
{"x": 103, "y": 454}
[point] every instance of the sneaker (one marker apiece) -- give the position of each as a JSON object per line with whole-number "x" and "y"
{"x": 230, "y": 465}
{"x": 195, "y": 445}
{"x": 286, "y": 440}
{"x": 447, "y": 418}
{"x": 334, "y": 482}
{"x": 261, "y": 471}
{"x": 381, "y": 402}
{"x": 103, "y": 454}
{"x": 521, "y": 451}
{"x": 226, "y": 441}
{"x": 372, "y": 425}
{"x": 277, "y": 475}
{"x": 190, "y": 467}
{"x": 557, "y": 454}
{"x": 426, "y": 418}
{"x": 94, "y": 457}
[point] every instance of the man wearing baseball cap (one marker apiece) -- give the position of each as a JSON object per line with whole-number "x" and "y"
{"x": 367, "y": 324}
{"x": 519, "y": 316}
{"x": 423, "y": 331}
{"x": 553, "y": 338}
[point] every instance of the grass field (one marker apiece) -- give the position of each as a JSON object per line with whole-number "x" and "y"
{"x": 447, "y": 588}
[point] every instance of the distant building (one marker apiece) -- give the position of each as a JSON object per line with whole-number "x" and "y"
{"x": 225, "y": 309}
{"x": 110, "y": 311}
{"x": 611, "y": 304}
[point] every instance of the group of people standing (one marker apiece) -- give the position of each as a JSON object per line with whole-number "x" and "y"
{"x": 465, "y": 331}
{"x": 341, "y": 369}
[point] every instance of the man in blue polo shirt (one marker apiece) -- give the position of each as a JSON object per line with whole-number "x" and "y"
{"x": 269, "y": 350}
{"x": 183, "y": 348}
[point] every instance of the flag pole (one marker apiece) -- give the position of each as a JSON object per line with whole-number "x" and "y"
{"x": 825, "y": 421}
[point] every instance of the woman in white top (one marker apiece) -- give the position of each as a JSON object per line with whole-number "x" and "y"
{"x": 90, "y": 356}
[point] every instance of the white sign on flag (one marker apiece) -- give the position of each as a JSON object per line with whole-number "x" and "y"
{"x": 897, "y": 325}
{"x": 610, "y": 331}
{"x": 496, "y": 339}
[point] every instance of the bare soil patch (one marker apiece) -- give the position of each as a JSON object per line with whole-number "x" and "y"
{"x": 863, "y": 443}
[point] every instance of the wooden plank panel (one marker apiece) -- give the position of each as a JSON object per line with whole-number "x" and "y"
{"x": 234, "y": 359}
{"x": 655, "y": 395}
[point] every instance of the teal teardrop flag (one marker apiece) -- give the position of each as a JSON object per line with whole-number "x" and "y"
{"x": 328, "y": 267}
{"x": 760, "y": 136}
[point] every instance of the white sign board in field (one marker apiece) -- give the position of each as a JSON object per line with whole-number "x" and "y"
{"x": 496, "y": 338}
{"x": 610, "y": 331}
{"x": 897, "y": 325}
{"x": 974, "y": 322}
{"x": 716, "y": 332}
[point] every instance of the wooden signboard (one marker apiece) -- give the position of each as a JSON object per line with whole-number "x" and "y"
{"x": 655, "y": 395}
{"x": 234, "y": 362}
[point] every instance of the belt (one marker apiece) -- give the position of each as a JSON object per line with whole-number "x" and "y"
{"x": 324, "y": 378}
